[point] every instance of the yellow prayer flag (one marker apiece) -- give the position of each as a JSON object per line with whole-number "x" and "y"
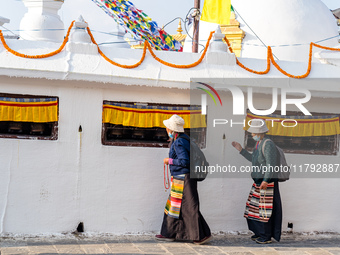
{"x": 216, "y": 11}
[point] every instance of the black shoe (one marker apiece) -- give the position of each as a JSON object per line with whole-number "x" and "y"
{"x": 254, "y": 237}
{"x": 163, "y": 238}
{"x": 262, "y": 240}
{"x": 204, "y": 240}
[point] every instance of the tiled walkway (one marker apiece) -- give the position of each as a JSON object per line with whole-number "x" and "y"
{"x": 145, "y": 244}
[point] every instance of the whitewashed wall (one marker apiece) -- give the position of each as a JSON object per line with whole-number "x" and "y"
{"x": 51, "y": 186}
{"x": 310, "y": 204}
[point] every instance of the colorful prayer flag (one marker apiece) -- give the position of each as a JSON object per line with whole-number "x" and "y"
{"x": 138, "y": 24}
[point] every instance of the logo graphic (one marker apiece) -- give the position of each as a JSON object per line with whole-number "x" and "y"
{"x": 204, "y": 96}
{"x": 239, "y": 100}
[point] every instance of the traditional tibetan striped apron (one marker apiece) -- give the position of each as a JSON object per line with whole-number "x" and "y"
{"x": 259, "y": 206}
{"x": 174, "y": 202}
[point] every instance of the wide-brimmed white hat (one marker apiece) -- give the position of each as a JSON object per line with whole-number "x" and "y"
{"x": 175, "y": 123}
{"x": 257, "y": 126}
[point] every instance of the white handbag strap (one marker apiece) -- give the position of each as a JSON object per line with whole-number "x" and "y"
{"x": 264, "y": 143}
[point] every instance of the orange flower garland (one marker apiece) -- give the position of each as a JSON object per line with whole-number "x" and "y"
{"x": 37, "y": 56}
{"x": 325, "y": 48}
{"x": 246, "y": 68}
{"x": 290, "y": 75}
{"x": 270, "y": 56}
{"x": 147, "y": 46}
{"x": 183, "y": 66}
{"x": 114, "y": 63}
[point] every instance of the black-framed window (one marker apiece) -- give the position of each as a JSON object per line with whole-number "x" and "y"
{"x": 314, "y": 144}
{"x": 28, "y": 117}
{"x": 116, "y": 133}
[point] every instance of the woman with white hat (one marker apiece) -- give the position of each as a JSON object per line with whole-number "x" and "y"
{"x": 263, "y": 208}
{"x": 182, "y": 217}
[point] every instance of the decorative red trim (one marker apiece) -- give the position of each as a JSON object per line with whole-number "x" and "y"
{"x": 29, "y": 105}
{"x": 299, "y": 120}
{"x": 146, "y": 111}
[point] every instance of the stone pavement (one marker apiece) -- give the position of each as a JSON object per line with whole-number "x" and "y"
{"x": 291, "y": 244}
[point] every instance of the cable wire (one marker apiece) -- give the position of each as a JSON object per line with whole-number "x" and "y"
{"x": 253, "y": 31}
{"x": 186, "y": 29}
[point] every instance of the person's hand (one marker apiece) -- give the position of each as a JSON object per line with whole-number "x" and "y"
{"x": 264, "y": 185}
{"x": 237, "y": 146}
{"x": 166, "y": 161}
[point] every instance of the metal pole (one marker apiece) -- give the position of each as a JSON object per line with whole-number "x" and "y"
{"x": 195, "y": 39}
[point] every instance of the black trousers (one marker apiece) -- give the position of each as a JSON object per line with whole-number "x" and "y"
{"x": 191, "y": 225}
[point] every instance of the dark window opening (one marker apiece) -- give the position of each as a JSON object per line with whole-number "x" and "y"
{"x": 145, "y": 137}
{"x": 29, "y": 130}
{"x": 25, "y": 129}
{"x": 318, "y": 145}
{"x": 119, "y": 135}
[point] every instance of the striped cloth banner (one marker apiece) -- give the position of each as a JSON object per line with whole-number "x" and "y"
{"x": 259, "y": 205}
{"x": 174, "y": 202}
{"x": 326, "y": 125}
{"x": 150, "y": 116}
{"x": 39, "y": 110}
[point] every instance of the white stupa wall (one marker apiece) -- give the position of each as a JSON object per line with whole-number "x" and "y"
{"x": 42, "y": 22}
{"x": 50, "y": 186}
{"x": 283, "y": 22}
{"x": 280, "y": 22}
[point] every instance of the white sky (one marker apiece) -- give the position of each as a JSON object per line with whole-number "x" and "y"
{"x": 160, "y": 11}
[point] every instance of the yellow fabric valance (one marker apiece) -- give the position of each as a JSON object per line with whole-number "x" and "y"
{"x": 306, "y": 125}
{"x": 150, "y": 116}
{"x": 29, "y": 109}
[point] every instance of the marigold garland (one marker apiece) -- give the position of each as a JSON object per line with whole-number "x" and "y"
{"x": 148, "y": 46}
{"x": 290, "y": 75}
{"x": 114, "y": 63}
{"x": 270, "y": 56}
{"x": 325, "y": 48}
{"x": 183, "y": 66}
{"x": 246, "y": 68}
{"x": 37, "y": 56}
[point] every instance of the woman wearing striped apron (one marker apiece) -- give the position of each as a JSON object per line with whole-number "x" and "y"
{"x": 182, "y": 217}
{"x": 263, "y": 208}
